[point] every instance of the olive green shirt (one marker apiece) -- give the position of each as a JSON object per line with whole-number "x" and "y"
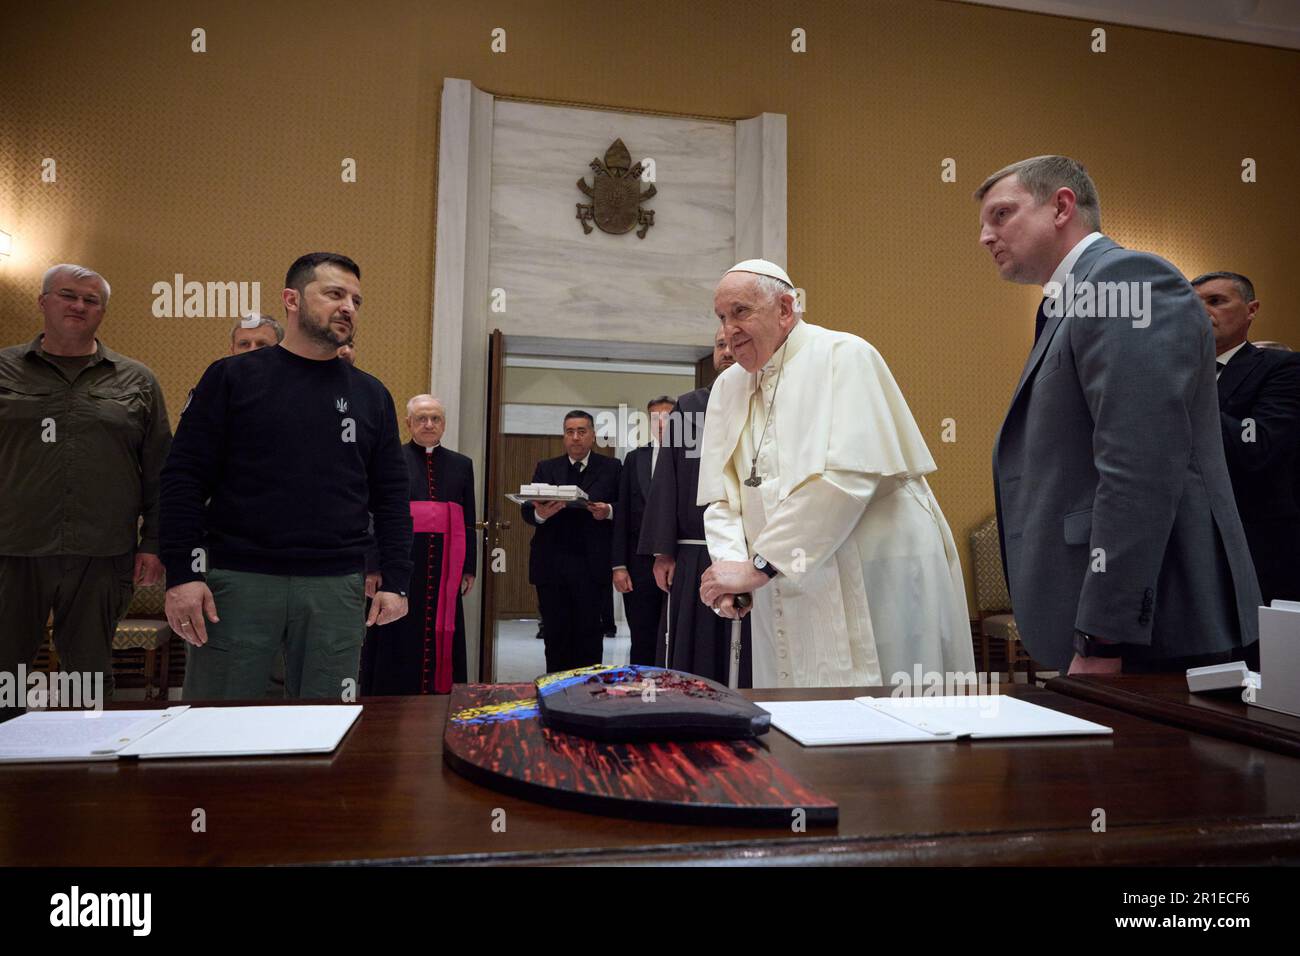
{"x": 80, "y": 453}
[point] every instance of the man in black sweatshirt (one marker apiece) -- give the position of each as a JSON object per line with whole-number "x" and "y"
{"x": 281, "y": 456}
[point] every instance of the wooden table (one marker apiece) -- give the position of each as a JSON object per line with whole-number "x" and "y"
{"x": 1170, "y": 796}
{"x": 1165, "y": 698}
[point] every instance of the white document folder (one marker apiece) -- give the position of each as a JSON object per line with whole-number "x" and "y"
{"x": 42, "y": 736}
{"x": 61, "y": 735}
{"x": 891, "y": 720}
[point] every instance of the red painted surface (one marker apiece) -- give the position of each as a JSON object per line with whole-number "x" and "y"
{"x": 495, "y": 737}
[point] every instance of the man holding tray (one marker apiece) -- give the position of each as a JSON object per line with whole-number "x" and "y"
{"x": 569, "y": 559}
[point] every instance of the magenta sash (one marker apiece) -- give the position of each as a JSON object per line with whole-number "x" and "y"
{"x": 446, "y": 518}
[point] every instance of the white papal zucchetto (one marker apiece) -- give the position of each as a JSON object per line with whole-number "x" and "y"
{"x": 761, "y": 267}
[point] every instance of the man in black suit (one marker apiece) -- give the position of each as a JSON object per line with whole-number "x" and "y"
{"x": 634, "y": 574}
{"x": 569, "y": 559}
{"x": 1259, "y": 407}
{"x": 699, "y": 641}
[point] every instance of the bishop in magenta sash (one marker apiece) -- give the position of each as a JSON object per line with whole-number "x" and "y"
{"x": 424, "y": 652}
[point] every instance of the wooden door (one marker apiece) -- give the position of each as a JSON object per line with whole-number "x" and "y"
{"x": 705, "y": 375}
{"x": 492, "y": 524}
{"x": 519, "y": 456}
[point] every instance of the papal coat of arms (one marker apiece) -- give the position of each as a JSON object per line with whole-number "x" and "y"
{"x": 616, "y": 195}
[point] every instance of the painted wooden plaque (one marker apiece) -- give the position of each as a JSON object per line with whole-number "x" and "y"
{"x": 495, "y": 737}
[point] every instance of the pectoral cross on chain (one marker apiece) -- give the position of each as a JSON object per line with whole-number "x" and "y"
{"x": 753, "y": 481}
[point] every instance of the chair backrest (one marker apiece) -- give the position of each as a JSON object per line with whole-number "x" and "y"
{"x": 148, "y": 602}
{"x": 991, "y": 594}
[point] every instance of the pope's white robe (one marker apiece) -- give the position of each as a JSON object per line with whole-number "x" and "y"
{"x": 870, "y": 583}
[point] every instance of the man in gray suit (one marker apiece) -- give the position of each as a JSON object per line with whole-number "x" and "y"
{"x": 1121, "y": 540}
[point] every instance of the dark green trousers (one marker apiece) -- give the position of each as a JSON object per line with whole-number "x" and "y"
{"x": 319, "y": 621}
{"x": 88, "y": 597}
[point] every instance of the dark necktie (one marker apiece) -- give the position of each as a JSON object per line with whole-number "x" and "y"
{"x": 1040, "y": 320}
{"x": 575, "y": 469}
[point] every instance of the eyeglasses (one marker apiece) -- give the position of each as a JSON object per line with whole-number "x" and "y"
{"x": 426, "y": 419}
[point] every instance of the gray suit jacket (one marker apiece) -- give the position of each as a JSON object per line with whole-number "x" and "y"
{"x": 1113, "y": 442}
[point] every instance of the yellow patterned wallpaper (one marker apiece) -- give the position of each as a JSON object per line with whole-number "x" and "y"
{"x": 226, "y": 164}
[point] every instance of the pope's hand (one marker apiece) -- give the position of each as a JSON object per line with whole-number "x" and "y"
{"x": 730, "y": 577}
{"x": 665, "y": 567}
{"x": 727, "y": 608}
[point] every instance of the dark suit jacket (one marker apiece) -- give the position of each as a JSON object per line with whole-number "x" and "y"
{"x": 574, "y": 530}
{"x": 629, "y": 511}
{"x": 671, "y": 512}
{"x": 1263, "y": 386}
{"x": 1112, "y": 447}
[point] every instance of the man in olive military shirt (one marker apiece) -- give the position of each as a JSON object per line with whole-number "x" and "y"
{"x": 83, "y": 438}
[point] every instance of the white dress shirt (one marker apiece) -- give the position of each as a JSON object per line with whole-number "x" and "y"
{"x": 1056, "y": 283}
{"x": 1222, "y": 360}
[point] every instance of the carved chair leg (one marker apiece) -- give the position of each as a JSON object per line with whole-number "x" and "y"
{"x": 164, "y": 668}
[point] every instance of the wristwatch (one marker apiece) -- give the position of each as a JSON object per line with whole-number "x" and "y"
{"x": 1085, "y": 645}
{"x": 761, "y": 564}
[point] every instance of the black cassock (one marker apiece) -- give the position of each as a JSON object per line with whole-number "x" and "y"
{"x": 399, "y": 658}
{"x": 700, "y": 641}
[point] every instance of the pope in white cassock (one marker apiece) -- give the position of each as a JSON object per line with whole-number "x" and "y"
{"x": 813, "y": 471}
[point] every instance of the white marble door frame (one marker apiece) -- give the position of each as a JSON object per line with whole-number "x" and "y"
{"x": 461, "y": 319}
{"x": 458, "y": 370}
{"x": 760, "y": 188}
{"x": 460, "y": 295}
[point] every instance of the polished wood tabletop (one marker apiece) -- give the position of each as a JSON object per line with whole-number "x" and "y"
{"x": 1165, "y": 698}
{"x": 1168, "y": 796}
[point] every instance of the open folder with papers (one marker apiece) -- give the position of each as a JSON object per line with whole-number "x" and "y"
{"x": 59, "y": 735}
{"x": 893, "y": 720}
